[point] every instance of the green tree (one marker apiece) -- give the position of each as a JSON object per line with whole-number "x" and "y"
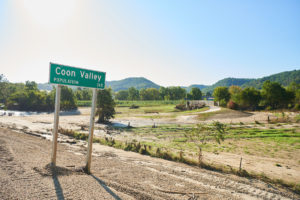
{"x": 122, "y": 95}
{"x": 249, "y": 98}
{"x": 195, "y": 94}
{"x": 235, "y": 92}
{"x": 28, "y": 100}
{"x": 67, "y": 98}
{"x": 203, "y": 133}
{"x": 164, "y": 93}
{"x": 78, "y": 94}
{"x": 133, "y": 94}
{"x": 176, "y": 93}
{"x": 31, "y": 85}
{"x": 222, "y": 95}
{"x": 83, "y": 94}
{"x": 208, "y": 94}
{"x": 295, "y": 89}
{"x": 149, "y": 94}
{"x": 86, "y": 94}
{"x": 105, "y": 105}
{"x": 275, "y": 96}
{"x": 3, "y": 88}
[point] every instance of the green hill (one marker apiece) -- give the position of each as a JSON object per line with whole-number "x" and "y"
{"x": 284, "y": 78}
{"x": 138, "y": 83}
{"x": 227, "y": 82}
{"x": 201, "y": 87}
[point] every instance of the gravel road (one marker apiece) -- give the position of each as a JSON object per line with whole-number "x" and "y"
{"x": 25, "y": 173}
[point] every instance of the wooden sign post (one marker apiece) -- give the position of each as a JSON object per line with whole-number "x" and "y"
{"x": 91, "y": 132}
{"x": 55, "y": 126}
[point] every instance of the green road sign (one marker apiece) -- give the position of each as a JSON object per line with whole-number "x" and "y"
{"x": 65, "y": 75}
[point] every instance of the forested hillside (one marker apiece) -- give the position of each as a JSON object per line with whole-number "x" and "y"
{"x": 227, "y": 82}
{"x": 284, "y": 78}
{"x": 138, "y": 83}
{"x": 196, "y": 86}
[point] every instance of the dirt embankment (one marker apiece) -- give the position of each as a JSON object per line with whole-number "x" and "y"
{"x": 116, "y": 174}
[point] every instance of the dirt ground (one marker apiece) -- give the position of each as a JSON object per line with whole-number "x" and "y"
{"x": 26, "y": 174}
{"x": 43, "y": 124}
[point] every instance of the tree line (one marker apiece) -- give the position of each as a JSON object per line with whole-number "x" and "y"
{"x": 272, "y": 96}
{"x": 163, "y": 93}
{"x": 27, "y": 96}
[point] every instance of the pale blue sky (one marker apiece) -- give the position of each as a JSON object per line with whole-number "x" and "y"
{"x": 167, "y": 41}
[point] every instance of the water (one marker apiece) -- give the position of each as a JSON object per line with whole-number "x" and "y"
{"x": 27, "y": 113}
{"x": 18, "y": 113}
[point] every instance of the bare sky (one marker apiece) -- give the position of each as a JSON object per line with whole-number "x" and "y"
{"x": 169, "y": 42}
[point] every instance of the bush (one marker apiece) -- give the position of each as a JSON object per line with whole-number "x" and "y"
{"x": 180, "y": 107}
{"x": 232, "y": 105}
{"x": 133, "y": 106}
{"x": 297, "y": 107}
{"x": 105, "y": 106}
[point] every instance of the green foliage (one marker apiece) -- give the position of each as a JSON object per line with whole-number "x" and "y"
{"x": 27, "y": 97}
{"x": 67, "y": 98}
{"x": 147, "y": 103}
{"x": 83, "y": 94}
{"x": 235, "y": 92}
{"x": 195, "y": 94}
{"x": 3, "y": 89}
{"x": 172, "y": 93}
{"x": 283, "y": 78}
{"x": 275, "y": 96}
{"x": 133, "y": 94}
{"x": 105, "y": 105}
{"x": 196, "y": 86}
{"x": 227, "y": 82}
{"x": 201, "y": 133}
{"x": 150, "y": 94}
{"x": 31, "y": 85}
{"x": 295, "y": 89}
{"x": 222, "y": 95}
{"x": 249, "y": 98}
{"x": 29, "y": 100}
{"x": 122, "y": 95}
{"x": 208, "y": 94}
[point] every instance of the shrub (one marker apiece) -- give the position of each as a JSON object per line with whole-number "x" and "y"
{"x": 133, "y": 106}
{"x": 232, "y": 105}
{"x": 180, "y": 107}
{"x": 297, "y": 107}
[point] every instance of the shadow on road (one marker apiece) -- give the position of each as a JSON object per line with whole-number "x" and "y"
{"x": 58, "y": 189}
{"x": 103, "y": 184}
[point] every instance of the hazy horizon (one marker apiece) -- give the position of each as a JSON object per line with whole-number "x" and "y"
{"x": 168, "y": 42}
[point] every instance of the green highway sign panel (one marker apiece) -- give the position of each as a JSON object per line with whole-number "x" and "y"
{"x": 66, "y": 75}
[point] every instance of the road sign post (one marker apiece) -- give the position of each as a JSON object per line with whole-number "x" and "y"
{"x": 66, "y": 75}
{"x": 91, "y": 132}
{"x": 55, "y": 126}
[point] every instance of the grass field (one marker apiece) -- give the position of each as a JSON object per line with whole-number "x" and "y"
{"x": 269, "y": 148}
{"x": 263, "y": 145}
{"x": 137, "y": 103}
{"x": 252, "y": 141}
{"x": 169, "y": 111}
